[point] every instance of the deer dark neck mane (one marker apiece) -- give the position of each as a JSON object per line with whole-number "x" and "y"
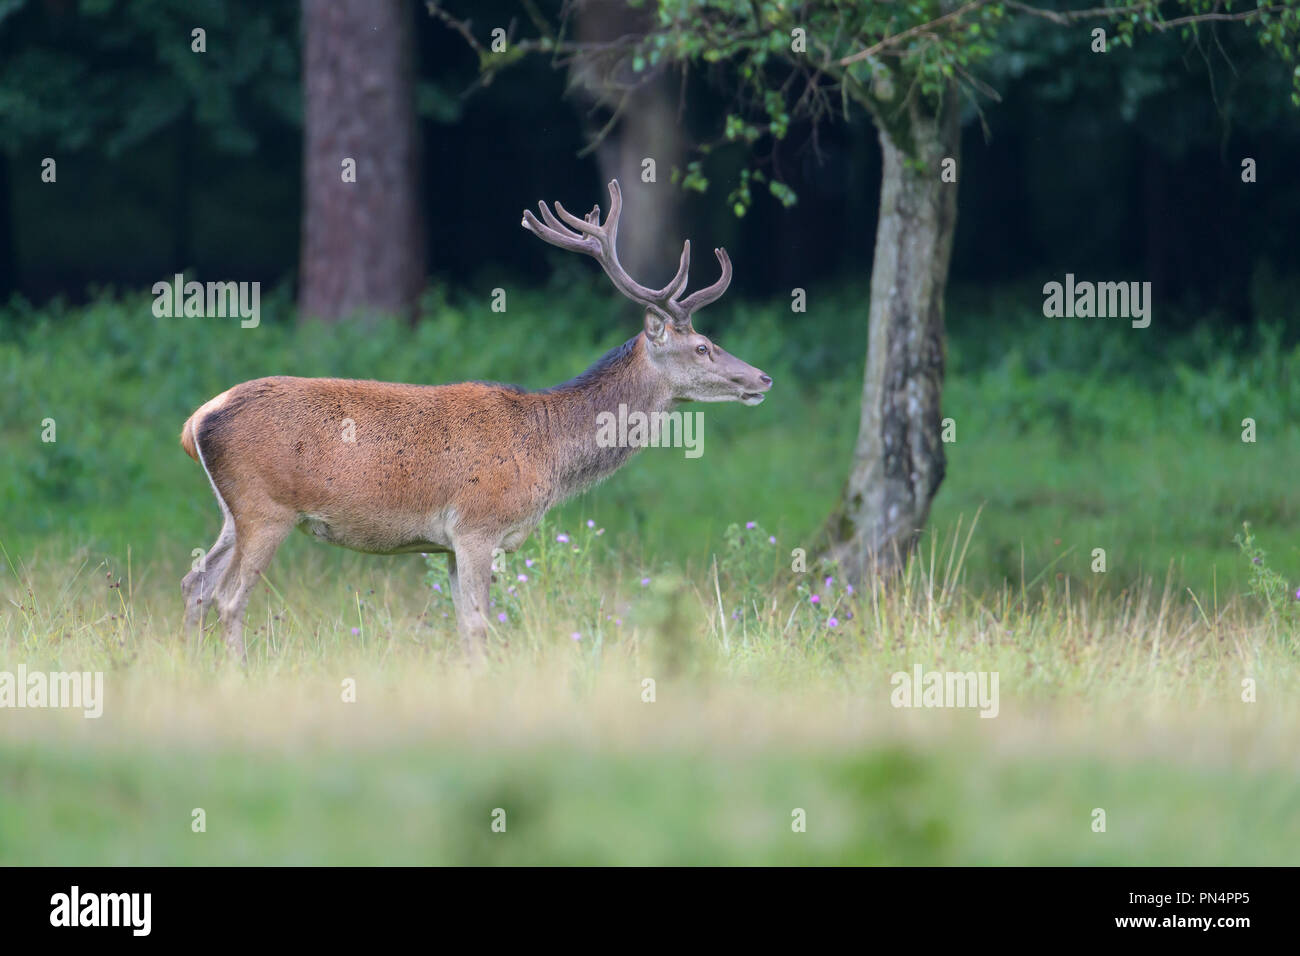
{"x": 622, "y": 376}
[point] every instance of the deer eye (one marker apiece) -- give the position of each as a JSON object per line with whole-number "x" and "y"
{"x": 702, "y": 349}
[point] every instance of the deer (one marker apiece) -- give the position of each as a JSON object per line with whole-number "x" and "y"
{"x": 467, "y": 470}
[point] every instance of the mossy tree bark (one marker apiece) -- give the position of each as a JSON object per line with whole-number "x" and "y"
{"x": 899, "y": 462}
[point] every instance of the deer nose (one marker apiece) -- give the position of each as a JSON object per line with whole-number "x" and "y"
{"x": 765, "y": 379}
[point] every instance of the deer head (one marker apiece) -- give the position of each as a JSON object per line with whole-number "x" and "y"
{"x": 693, "y": 366}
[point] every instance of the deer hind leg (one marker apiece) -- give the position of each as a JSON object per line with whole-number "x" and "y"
{"x": 256, "y": 541}
{"x": 471, "y": 573}
{"x": 200, "y": 585}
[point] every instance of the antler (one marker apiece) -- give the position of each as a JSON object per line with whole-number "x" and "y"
{"x": 590, "y": 236}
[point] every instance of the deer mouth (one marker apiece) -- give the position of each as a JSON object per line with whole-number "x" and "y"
{"x": 752, "y": 398}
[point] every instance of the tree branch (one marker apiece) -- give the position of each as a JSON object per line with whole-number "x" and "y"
{"x": 1066, "y": 17}
{"x": 910, "y": 32}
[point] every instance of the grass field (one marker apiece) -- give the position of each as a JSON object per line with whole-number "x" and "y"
{"x": 1120, "y": 691}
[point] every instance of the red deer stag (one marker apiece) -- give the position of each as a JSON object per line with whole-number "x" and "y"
{"x": 460, "y": 469}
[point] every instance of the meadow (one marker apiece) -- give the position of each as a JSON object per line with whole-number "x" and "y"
{"x": 1121, "y": 690}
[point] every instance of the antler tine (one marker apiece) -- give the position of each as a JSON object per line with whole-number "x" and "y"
{"x": 697, "y": 300}
{"x": 587, "y": 226}
{"x": 554, "y": 233}
{"x": 554, "y": 223}
{"x": 615, "y": 211}
{"x": 674, "y": 288}
{"x": 606, "y": 235}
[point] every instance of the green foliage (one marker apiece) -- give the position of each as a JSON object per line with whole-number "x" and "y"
{"x": 1280, "y": 598}
{"x": 110, "y": 74}
{"x": 1131, "y": 437}
{"x": 804, "y": 61}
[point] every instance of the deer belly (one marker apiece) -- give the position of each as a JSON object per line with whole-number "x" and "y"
{"x": 393, "y": 535}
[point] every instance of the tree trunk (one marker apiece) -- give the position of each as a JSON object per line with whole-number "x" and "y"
{"x": 650, "y": 248}
{"x": 362, "y": 241}
{"x": 648, "y": 128}
{"x": 899, "y": 460}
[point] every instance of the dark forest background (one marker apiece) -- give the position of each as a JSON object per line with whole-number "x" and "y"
{"x": 170, "y": 162}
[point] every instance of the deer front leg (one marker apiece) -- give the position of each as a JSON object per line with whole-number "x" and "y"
{"x": 470, "y": 570}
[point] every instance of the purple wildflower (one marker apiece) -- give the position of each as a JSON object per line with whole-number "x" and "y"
{"x": 562, "y": 538}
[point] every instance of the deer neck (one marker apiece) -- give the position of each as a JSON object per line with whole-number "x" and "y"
{"x": 621, "y": 382}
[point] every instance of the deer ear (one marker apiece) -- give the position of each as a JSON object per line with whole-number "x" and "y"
{"x": 655, "y": 327}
